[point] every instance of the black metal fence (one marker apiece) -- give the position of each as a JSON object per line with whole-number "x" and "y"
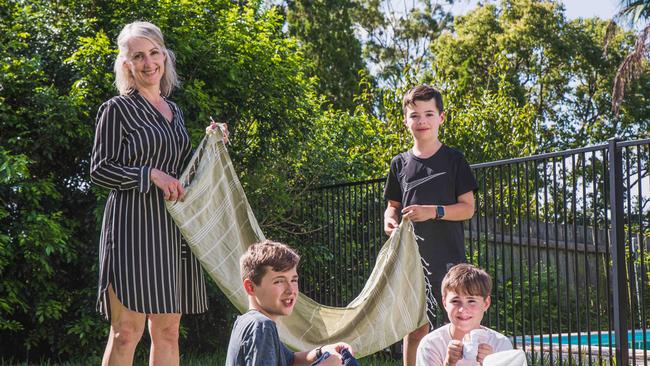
{"x": 565, "y": 236}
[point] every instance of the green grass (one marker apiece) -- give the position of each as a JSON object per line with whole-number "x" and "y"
{"x": 220, "y": 359}
{"x": 217, "y": 358}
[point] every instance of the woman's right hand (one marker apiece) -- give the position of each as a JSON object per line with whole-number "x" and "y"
{"x": 224, "y": 129}
{"x": 172, "y": 189}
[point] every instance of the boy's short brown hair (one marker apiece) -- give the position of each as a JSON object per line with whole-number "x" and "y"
{"x": 422, "y": 93}
{"x": 467, "y": 279}
{"x": 259, "y": 256}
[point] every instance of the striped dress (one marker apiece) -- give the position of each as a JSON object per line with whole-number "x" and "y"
{"x": 141, "y": 252}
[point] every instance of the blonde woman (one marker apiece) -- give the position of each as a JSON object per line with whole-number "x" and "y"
{"x": 146, "y": 271}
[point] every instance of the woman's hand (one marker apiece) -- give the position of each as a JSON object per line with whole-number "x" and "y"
{"x": 172, "y": 189}
{"x": 223, "y": 126}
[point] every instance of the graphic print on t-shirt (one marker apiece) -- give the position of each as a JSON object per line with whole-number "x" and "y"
{"x": 410, "y": 185}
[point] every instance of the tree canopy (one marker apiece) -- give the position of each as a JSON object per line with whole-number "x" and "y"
{"x": 632, "y": 66}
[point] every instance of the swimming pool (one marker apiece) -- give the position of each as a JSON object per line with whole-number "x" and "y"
{"x": 592, "y": 338}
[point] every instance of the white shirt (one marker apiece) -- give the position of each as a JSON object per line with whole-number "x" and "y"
{"x": 433, "y": 347}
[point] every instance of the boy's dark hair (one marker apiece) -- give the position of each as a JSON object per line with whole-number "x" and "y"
{"x": 467, "y": 279}
{"x": 259, "y": 256}
{"x": 422, "y": 93}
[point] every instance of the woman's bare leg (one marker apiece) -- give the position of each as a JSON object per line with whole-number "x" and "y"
{"x": 126, "y": 330}
{"x": 164, "y": 331}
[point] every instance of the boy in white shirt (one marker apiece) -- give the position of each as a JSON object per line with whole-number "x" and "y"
{"x": 466, "y": 298}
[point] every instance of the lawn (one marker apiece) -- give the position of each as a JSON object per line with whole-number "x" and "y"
{"x": 217, "y": 358}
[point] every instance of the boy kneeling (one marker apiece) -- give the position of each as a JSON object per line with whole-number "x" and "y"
{"x": 463, "y": 342}
{"x": 270, "y": 274}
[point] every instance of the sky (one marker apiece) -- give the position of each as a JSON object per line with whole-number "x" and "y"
{"x": 604, "y": 9}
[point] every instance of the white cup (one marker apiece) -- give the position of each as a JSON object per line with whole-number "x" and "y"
{"x": 471, "y": 342}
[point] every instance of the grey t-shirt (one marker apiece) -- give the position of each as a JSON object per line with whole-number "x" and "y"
{"x": 255, "y": 341}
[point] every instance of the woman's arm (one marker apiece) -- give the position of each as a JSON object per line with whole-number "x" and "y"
{"x": 105, "y": 168}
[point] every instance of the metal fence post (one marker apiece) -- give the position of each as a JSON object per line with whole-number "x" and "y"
{"x": 617, "y": 242}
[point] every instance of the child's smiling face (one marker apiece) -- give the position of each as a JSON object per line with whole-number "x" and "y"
{"x": 465, "y": 312}
{"x": 423, "y": 119}
{"x": 276, "y": 294}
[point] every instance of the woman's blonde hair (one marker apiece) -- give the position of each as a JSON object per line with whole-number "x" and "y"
{"x": 123, "y": 78}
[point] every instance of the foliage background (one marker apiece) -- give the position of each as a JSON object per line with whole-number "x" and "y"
{"x": 311, "y": 91}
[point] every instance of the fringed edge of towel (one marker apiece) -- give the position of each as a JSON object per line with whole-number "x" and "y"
{"x": 432, "y": 303}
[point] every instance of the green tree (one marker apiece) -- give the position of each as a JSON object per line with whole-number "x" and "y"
{"x": 325, "y": 30}
{"x": 550, "y": 63}
{"x": 397, "y": 39}
{"x": 518, "y": 78}
{"x": 46, "y": 207}
{"x": 632, "y": 65}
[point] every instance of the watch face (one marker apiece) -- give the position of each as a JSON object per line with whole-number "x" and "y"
{"x": 440, "y": 211}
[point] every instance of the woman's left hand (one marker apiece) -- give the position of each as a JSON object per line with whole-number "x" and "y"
{"x": 172, "y": 189}
{"x": 224, "y": 129}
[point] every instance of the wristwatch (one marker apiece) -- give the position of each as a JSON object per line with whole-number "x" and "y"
{"x": 440, "y": 212}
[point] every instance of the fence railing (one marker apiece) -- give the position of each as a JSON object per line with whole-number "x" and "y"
{"x": 564, "y": 235}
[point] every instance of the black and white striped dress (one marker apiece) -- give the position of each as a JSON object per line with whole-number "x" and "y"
{"x": 141, "y": 253}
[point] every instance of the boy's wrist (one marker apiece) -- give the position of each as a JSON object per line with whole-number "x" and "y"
{"x": 438, "y": 212}
{"x": 433, "y": 212}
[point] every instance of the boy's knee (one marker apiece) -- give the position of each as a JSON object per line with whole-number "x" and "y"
{"x": 330, "y": 361}
{"x": 417, "y": 335}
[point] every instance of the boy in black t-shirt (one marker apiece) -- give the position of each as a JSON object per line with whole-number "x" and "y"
{"x": 433, "y": 186}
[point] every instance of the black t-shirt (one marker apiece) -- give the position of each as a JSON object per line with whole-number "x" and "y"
{"x": 436, "y": 180}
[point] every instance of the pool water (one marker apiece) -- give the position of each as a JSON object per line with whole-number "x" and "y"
{"x": 635, "y": 339}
